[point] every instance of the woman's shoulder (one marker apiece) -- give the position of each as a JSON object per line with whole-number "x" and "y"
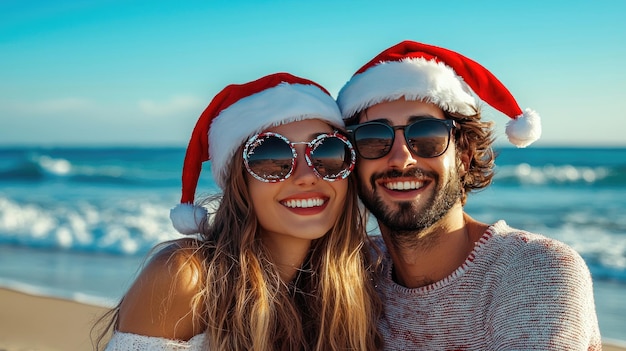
{"x": 159, "y": 303}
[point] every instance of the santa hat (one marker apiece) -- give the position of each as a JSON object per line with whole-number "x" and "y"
{"x": 445, "y": 78}
{"x": 235, "y": 114}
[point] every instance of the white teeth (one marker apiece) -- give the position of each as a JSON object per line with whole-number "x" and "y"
{"x": 406, "y": 185}
{"x": 305, "y": 203}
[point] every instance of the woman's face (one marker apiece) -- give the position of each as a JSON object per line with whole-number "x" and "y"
{"x": 303, "y": 207}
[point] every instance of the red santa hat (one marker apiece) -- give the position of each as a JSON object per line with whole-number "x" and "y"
{"x": 445, "y": 78}
{"x": 235, "y": 114}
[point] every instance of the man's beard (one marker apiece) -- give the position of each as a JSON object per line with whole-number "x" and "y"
{"x": 412, "y": 217}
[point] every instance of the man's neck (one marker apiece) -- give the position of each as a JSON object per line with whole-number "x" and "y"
{"x": 435, "y": 252}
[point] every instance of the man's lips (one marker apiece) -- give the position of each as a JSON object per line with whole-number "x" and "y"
{"x": 407, "y": 181}
{"x": 403, "y": 185}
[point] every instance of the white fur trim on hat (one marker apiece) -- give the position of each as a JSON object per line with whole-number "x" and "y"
{"x": 278, "y": 105}
{"x": 525, "y": 129}
{"x": 413, "y": 79}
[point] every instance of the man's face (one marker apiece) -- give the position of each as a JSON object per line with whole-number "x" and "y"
{"x": 405, "y": 192}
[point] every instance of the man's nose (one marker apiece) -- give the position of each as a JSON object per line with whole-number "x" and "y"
{"x": 400, "y": 155}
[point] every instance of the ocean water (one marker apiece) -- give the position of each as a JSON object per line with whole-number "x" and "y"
{"x": 77, "y": 222}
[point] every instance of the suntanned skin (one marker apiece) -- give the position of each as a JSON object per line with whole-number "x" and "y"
{"x": 287, "y": 232}
{"x": 417, "y": 267}
{"x": 431, "y": 254}
{"x": 158, "y": 303}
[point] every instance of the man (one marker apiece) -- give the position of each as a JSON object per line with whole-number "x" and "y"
{"x": 450, "y": 282}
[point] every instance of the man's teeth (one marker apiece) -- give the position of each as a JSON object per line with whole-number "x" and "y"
{"x": 406, "y": 185}
{"x": 304, "y": 203}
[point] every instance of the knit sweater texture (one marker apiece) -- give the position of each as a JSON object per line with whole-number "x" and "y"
{"x": 515, "y": 291}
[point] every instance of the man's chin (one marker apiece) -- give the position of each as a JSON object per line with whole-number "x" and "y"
{"x": 399, "y": 216}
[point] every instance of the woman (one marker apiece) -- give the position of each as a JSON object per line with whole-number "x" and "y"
{"x": 281, "y": 263}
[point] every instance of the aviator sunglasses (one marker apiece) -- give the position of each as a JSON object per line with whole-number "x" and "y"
{"x": 271, "y": 157}
{"x": 426, "y": 137}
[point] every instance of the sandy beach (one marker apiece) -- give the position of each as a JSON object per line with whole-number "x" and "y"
{"x": 34, "y": 323}
{"x": 29, "y": 323}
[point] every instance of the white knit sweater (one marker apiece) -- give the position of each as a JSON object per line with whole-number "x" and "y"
{"x": 516, "y": 291}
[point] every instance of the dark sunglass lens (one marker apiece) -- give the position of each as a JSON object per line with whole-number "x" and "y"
{"x": 270, "y": 158}
{"x": 428, "y": 138}
{"x": 331, "y": 158}
{"x": 373, "y": 140}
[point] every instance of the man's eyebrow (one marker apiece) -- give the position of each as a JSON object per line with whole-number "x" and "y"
{"x": 381, "y": 120}
{"x": 410, "y": 119}
{"x": 418, "y": 117}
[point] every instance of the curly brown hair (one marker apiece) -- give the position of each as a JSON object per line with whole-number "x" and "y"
{"x": 474, "y": 137}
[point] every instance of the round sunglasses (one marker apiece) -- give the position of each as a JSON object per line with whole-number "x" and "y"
{"x": 426, "y": 137}
{"x": 271, "y": 157}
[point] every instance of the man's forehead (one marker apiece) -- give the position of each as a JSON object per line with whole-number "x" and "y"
{"x": 400, "y": 111}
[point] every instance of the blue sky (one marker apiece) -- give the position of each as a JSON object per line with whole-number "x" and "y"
{"x": 113, "y": 72}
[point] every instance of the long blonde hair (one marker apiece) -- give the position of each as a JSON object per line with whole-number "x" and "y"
{"x": 331, "y": 305}
{"x": 244, "y": 305}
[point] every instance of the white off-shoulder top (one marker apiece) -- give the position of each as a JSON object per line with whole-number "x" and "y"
{"x": 134, "y": 342}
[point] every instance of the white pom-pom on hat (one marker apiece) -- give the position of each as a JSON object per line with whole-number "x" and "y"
{"x": 524, "y": 129}
{"x": 436, "y": 75}
{"x": 236, "y": 113}
{"x": 187, "y": 218}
